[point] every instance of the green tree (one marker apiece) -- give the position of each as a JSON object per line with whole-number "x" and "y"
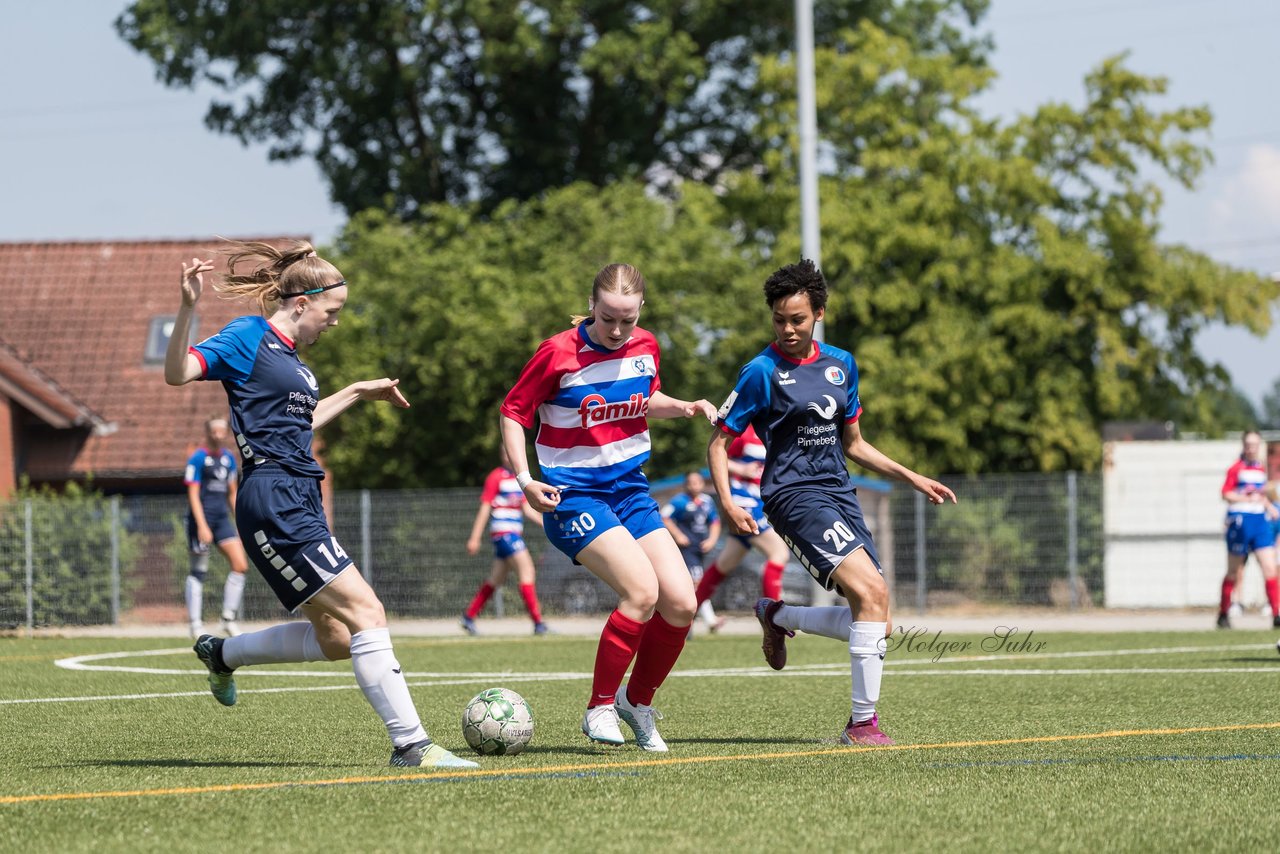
{"x": 407, "y": 102}
{"x": 455, "y": 305}
{"x": 1269, "y": 416}
{"x": 1001, "y": 284}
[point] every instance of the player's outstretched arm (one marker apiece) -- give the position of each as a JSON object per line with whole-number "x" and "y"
{"x": 664, "y": 406}
{"x": 180, "y": 367}
{"x": 739, "y": 521}
{"x": 866, "y": 455}
{"x": 477, "y": 527}
{"x": 337, "y": 403}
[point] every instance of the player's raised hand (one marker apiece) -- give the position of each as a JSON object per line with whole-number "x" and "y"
{"x": 936, "y": 492}
{"x": 193, "y": 279}
{"x": 383, "y": 389}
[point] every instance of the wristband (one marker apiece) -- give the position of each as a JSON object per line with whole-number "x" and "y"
{"x": 523, "y": 479}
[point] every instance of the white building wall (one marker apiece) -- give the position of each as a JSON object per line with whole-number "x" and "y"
{"x": 1163, "y": 519}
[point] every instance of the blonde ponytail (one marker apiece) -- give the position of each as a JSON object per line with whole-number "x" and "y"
{"x": 275, "y": 273}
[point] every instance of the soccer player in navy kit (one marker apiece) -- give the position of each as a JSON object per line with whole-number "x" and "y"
{"x": 694, "y": 524}
{"x": 802, "y": 398}
{"x": 210, "y": 479}
{"x": 275, "y": 406}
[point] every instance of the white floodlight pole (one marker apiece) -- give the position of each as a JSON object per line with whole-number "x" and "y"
{"x": 810, "y": 238}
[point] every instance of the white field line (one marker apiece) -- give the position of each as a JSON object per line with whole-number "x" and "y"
{"x": 433, "y": 679}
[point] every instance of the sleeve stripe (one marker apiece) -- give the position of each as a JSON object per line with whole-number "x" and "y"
{"x": 204, "y": 366}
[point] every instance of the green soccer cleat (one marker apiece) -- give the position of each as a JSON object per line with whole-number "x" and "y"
{"x": 221, "y": 683}
{"x": 427, "y": 754}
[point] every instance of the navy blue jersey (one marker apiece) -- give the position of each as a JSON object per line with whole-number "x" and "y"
{"x": 693, "y": 516}
{"x": 213, "y": 472}
{"x": 272, "y": 393}
{"x": 799, "y": 409}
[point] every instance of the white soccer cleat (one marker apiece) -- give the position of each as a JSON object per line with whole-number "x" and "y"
{"x": 230, "y": 627}
{"x": 196, "y": 629}
{"x": 640, "y": 719}
{"x": 600, "y": 724}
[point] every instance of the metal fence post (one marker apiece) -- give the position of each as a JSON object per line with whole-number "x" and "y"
{"x": 366, "y": 539}
{"x": 922, "y": 592}
{"x": 115, "y": 560}
{"x": 1073, "y": 539}
{"x": 30, "y": 567}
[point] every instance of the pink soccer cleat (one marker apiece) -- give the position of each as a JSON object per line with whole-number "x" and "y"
{"x": 865, "y": 733}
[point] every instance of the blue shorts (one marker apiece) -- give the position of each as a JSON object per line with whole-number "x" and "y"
{"x": 508, "y": 544}
{"x": 284, "y": 530}
{"x": 582, "y": 516}
{"x": 822, "y": 528}
{"x": 755, "y": 507}
{"x": 221, "y": 527}
{"x": 1248, "y": 532}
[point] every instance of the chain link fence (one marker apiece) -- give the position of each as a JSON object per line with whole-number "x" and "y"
{"x": 88, "y": 559}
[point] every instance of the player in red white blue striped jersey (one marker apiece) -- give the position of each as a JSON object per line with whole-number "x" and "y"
{"x": 504, "y": 508}
{"x": 1249, "y": 530}
{"x": 593, "y": 388}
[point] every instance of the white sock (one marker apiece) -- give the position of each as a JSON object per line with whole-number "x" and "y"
{"x": 286, "y": 642}
{"x": 379, "y": 676}
{"x": 830, "y": 621}
{"x": 194, "y": 594}
{"x": 232, "y": 594}
{"x": 866, "y": 650}
{"x": 707, "y": 613}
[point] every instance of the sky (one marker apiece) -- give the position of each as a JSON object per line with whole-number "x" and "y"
{"x": 94, "y": 147}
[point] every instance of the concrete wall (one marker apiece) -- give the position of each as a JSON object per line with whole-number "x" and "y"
{"x": 1163, "y": 519}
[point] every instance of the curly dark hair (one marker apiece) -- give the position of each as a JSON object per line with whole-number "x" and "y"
{"x": 804, "y": 277}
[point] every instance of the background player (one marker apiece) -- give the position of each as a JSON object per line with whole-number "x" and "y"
{"x": 594, "y": 388}
{"x": 694, "y": 524}
{"x": 275, "y": 405}
{"x": 746, "y": 465}
{"x": 802, "y": 398}
{"x": 211, "y": 499}
{"x": 1248, "y": 527}
{"x": 504, "y": 508}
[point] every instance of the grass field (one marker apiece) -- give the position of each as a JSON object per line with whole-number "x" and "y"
{"x": 1138, "y": 742}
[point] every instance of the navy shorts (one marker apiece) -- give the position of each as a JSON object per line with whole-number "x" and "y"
{"x": 822, "y": 528}
{"x": 1248, "y": 532}
{"x": 284, "y": 530}
{"x": 582, "y": 516}
{"x": 508, "y": 544}
{"x": 221, "y": 527}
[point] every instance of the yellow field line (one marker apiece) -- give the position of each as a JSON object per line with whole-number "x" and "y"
{"x": 641, "y": 763}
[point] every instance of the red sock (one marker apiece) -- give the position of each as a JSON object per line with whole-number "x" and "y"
{"x": 531, "y": 602}
{"x": 707, "y": 586}
{"x": 659, "y": 649}
{"x": 1228, "y": 587}
{"x": 1273, "y": 595}
{"x": 482, "y": 596}
{"x": 771, "y": 580}
{"x": 618, "y": 644}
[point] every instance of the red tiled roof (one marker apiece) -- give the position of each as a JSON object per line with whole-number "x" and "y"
{"x": 78, "y": 314}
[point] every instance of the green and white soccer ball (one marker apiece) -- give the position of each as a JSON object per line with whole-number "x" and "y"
{"x": 497, "y": 722}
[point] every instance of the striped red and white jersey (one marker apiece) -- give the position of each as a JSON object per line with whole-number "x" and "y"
{"x": 506, "y": 502}
{"x": 1246, "y": 476}
{"x": 746, "y": 448}
{"x": 592, "y": 404}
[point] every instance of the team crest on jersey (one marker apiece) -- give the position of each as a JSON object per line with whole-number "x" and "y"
{"x": 641, "y": 366}
{"x": 310, "y": 379}
{"x": 834, "y": 375}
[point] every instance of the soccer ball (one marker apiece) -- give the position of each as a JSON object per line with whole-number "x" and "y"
{"x": 497, "y": 722}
